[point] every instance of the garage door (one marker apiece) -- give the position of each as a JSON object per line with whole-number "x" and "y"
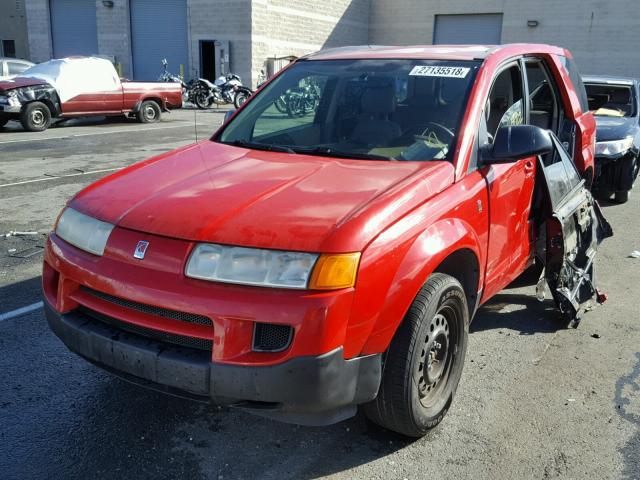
{"x": 158, "y": 30}
{"x": 468, "y": 29}
{"x": 74, "y": 28}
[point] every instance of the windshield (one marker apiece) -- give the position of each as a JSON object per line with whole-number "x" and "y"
{"x": 371, "y": 109}
{"x": 609, "y": 100}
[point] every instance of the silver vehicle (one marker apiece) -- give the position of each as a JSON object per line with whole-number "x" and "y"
{"x": 11, "y": 67}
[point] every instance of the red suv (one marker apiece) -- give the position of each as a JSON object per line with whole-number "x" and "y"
{"x": 330, "y": 244}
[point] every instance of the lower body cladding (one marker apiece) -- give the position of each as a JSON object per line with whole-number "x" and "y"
{"x": 307, "y": 390}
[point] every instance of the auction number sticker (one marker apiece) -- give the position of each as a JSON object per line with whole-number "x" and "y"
{"x": 431, "y": 71}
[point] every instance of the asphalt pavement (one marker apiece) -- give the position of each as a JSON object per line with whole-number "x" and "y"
{"x": 536, "y": 400}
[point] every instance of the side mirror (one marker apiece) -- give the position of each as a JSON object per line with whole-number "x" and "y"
{"x": 228, "y": 115}
{"x": 515, "y": 142}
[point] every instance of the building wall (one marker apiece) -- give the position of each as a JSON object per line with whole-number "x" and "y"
{"x": 13, "y": 25}
{"x": 114, "y": 33}
{"x": 39, "y": 28}
{"x": 281, "y": 29}
{"x": 223, "y": 20}
{"x": 602, "y": 35}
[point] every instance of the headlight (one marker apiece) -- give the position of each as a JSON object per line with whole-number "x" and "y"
{"x": 268, "y": 268}
{"x": 615, "y": 147}
{"x": 83, "y": 231}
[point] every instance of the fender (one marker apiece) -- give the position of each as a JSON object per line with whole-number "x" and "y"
{"x": 161, "y": 102}
{"x": 44, "y": 93}
{"x": 390, "y": 278}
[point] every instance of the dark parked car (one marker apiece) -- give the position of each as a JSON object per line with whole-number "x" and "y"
{"x": 615, "y": 103}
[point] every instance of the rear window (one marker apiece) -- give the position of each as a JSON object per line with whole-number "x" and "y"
{"x": 609, "y": 100}
{"x": 576, "y": 79}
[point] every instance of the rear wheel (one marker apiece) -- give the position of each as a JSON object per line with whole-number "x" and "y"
{"x": 149, "y": 112}
{"x": 35, "y": 117}
{"x": 424, "y": 362}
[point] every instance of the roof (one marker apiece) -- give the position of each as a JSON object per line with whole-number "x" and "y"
{"x": 432, "y": 52}
{"x": 609, "y": 79}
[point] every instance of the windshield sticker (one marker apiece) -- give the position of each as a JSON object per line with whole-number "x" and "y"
{"x": 431, "y": 71}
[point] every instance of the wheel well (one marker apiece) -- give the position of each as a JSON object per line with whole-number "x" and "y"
{"x": 463, "y": 266}
{"x": 50, "y": 105}
{"x": 155, "y": 99}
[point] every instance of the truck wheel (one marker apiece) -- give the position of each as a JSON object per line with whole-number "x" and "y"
{"x": 424, "y": 362}
{"x": 149, "y": 112}
{"x": 622, "y": 196}
{"x": 35, "y": 117}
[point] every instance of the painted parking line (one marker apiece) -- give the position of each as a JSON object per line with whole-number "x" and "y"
{"x": 92, "y": 172}
{"x": 128, "y": 130}
{"x": 20, "y": 311}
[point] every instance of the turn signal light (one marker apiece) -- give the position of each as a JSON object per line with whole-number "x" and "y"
{"x": 334, "y": 271}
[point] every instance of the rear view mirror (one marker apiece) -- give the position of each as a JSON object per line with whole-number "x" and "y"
{"x": 228, "y": 115}
{"x": 515, "y": 142}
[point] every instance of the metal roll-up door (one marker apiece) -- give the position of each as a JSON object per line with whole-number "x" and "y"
{"x": 74, "y": 29}
{"x": 158, "y": 30}
{"x": 484, "y": 29}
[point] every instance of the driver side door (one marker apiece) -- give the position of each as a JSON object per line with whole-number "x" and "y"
{"x": 510, "y": 186}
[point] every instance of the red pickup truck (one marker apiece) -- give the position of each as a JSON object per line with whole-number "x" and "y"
{"x": 299, "y": 266}
{"x": 80, "y": 87}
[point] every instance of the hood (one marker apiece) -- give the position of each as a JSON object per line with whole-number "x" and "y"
{"x": 212, "y": 192}
{"x": 615, "y": 128}
{"x": 19, "y": 82}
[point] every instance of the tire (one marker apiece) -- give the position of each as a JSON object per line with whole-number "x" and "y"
{"x": 622, "y": 196}
{"x": 35, "y": 117}
{"x": 149, "y": 112}
{"x": 241, "y": 97}
{"x": 411, "y": 401}
{"x": 281, "y": 104}
{"x": 201, "y": 99}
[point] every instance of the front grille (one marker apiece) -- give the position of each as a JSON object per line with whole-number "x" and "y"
{"x": 268, "y": 337}
{"x": 150, "y": 309}
{"x": 182, "y": 340}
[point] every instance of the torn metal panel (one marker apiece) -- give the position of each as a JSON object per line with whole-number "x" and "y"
{"x": 22, "y": 95}
{"x": 571, "y": 235}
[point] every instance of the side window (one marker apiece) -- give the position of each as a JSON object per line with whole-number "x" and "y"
{"x": 560, "y": 173}
{"x": 544, "y": 105}
{"x": 16, "y": 67}
{"x": 504, "y": 106}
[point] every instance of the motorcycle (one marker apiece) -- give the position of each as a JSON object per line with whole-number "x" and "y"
{"x": 226, "y": 89}
{"x": 297, "y": 102}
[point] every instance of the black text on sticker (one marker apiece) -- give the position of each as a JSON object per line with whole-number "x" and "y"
{"x": 431, "y": 71}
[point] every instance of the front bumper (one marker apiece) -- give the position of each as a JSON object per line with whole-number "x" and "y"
{"x": 310, "y": 390}
{"x": 614, "y": 173}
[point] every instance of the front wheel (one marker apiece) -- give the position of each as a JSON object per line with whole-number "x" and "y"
{"x": 149, "y": 112}
{"x": 241, "y": 97}
{"x": 424, "y": 362}
{"x": 35, "y": 117}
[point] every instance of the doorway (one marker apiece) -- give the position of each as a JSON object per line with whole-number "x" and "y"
{"x": 208, "y": 59}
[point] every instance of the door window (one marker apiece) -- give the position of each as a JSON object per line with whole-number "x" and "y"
{"x": 560, "y": 173}
{"x": 544, "y": 107}
{"x": 504, "y": 106}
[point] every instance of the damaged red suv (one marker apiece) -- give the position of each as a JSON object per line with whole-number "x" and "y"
{"x": 329, "y": 245}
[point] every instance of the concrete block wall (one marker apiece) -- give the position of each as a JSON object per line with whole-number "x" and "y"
{"x": 602, "y": 36}
{"x": 13, "y": 26}
{"x": 226, "y": 20}
{"x": 39, "y": 28}
{"x": 281, "y": 28}
{"x": 114, "y": 33}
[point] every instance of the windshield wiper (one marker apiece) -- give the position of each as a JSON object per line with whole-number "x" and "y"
{"x": 330, "y": 152}
{"x": 260, "y": 146}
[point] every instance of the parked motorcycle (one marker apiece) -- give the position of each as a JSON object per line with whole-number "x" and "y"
{"x": 226, "y": 89}
{"x": 299, "y": 101}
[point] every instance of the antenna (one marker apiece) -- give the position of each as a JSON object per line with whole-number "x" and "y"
{"x": 195, "y": 123}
